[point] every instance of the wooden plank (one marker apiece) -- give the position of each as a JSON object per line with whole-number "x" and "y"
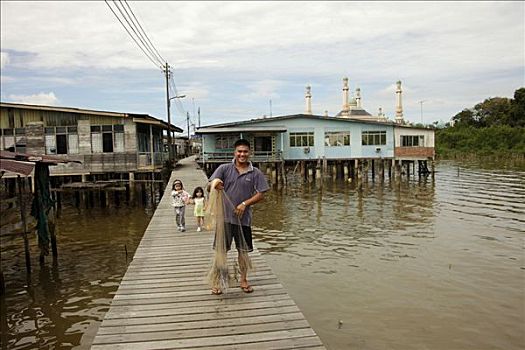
{"x": 163, "y": 300}
{"x": 236, "y": 340}
{"x": 201, "y": 324}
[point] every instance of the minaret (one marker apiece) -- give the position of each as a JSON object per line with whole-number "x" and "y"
{"x": 358, "y": 97}
{"x": 346, "y": 106}
{"x": 399, "y": 105}
{"x": 308, "y": 97}
{"x": 326, "y": 113}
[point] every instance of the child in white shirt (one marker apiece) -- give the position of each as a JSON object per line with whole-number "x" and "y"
{"x": 179, "y": 200}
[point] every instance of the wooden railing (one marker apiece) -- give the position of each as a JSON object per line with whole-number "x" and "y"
{"x": 145, "y": 159}
{"x": 257, "y": 156}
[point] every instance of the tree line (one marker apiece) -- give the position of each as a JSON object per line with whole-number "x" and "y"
{"x": 495, "y": 126}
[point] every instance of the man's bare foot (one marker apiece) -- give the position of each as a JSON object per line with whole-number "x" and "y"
{"x": 216, "y": 291}
{"x": 246, "y": 288}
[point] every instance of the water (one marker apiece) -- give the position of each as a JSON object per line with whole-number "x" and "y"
{"x": 413, "y": 266}
{"x": 419, "y": 265}
{"x": 64, "y": 303}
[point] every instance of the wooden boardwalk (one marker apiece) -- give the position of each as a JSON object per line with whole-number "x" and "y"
{"x": 163, "y": 301}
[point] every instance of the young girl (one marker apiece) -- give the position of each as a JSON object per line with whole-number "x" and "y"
{"x": 179, "y": 200}
{"x": 199, "y": 201}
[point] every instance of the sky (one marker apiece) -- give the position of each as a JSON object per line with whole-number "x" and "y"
{"x": 241, "y": 60}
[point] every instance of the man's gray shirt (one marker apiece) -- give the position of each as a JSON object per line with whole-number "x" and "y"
{"x": 239, "y": 188}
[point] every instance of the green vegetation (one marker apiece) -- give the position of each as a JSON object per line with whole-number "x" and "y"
{"x": 494, "y": 127}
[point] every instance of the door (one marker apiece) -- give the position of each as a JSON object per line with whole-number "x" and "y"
{"x": 263, "y": 143}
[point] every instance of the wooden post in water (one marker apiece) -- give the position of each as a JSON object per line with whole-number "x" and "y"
{"x": 345, "y": 171}
{"x": 131, "y": 187}
{"x": 284, "y": 180}
{"x": 21, "y": 203}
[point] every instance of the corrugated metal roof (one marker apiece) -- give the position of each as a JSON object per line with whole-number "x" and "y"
{"x": 17, "y": 167}
{"x": 293, "y": 116}
{"x": 221, "y": 130}
{"x": 35, "y": 158}
{"x": 140, "y": 117}
{"x": 63, "y": 109}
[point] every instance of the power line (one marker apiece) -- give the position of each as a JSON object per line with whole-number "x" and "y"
{"x": 134, "y": 28}
{"x": 136, "y": 42}
{"x": 144, "y": 32}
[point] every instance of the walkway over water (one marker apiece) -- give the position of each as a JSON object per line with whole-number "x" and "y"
{"x": 164, "y": 302}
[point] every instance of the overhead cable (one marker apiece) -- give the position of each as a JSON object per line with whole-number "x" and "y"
{"x": 135, "y": 40}
{"x": 144, "y": 32}
{"x": 135, "y": 30}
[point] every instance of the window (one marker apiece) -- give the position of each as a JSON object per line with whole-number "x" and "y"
{"x": 61, "y": 139}
{"x": 373, "y": 138}
{"x": 337, "y": 138}
{"x": 225, "y": 141}
{"x": 412, "y": 140}
{"x": 13, "y": 139}
{"x": 301, "y": 139}
{"x": 107, "y": 138}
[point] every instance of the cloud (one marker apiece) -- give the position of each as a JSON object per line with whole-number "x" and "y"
{"x": 232, "y": 57}
{"x": 4, "y": 59}
{"x": 48, "y": 99}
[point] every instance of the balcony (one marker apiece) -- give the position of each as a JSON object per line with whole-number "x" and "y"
{"x": 149, "y": 161}
{"x": 256, "y": 157}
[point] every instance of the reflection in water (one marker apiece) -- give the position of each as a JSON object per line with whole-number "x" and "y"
{"x": 408, "y": 265}
{"x": 62, "y": 303}
{"x": 417, "y": 265}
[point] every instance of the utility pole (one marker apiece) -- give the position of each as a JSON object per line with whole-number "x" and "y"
{"x": 193, "y": 101}
{"x": 421, "y": 103}
{"x": 167, "y": 72}
{"x": 270, "y": 108}
{"x": 188, "y": 123}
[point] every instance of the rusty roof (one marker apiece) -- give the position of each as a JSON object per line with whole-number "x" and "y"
{"x": 16, "y": 166}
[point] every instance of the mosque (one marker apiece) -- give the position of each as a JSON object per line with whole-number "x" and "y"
{"x": 353, "y": 109}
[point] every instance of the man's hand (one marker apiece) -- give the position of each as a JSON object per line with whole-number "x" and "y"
{"x": 219, "y": 186}
{"x": 239, "y": 210}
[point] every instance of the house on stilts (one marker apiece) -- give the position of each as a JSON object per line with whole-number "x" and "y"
{"x": 104, "y": 144}
{"x": 351, "y": 143}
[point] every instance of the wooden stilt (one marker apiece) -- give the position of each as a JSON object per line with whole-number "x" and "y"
{"x": 21, "y": 203}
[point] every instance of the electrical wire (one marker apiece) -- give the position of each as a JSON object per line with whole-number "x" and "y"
{"x": 137, "y": 35}
{"x": 144, "y": 32}
{"x": 136, "y": 30}
{"x": 136, "y": 42}
{"x": 147, "y": 48}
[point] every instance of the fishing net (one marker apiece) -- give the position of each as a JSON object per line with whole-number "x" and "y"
{"x": 215, "y": 213}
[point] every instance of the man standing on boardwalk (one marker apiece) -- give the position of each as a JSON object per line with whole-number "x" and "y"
{"x": 243, "y": 185}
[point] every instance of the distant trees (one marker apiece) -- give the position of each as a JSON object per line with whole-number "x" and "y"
{"x": 494, "y": 111}
{"x": 494, "y": 126}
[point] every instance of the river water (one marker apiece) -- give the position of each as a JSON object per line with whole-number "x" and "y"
{"x": 416, "y": 265}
